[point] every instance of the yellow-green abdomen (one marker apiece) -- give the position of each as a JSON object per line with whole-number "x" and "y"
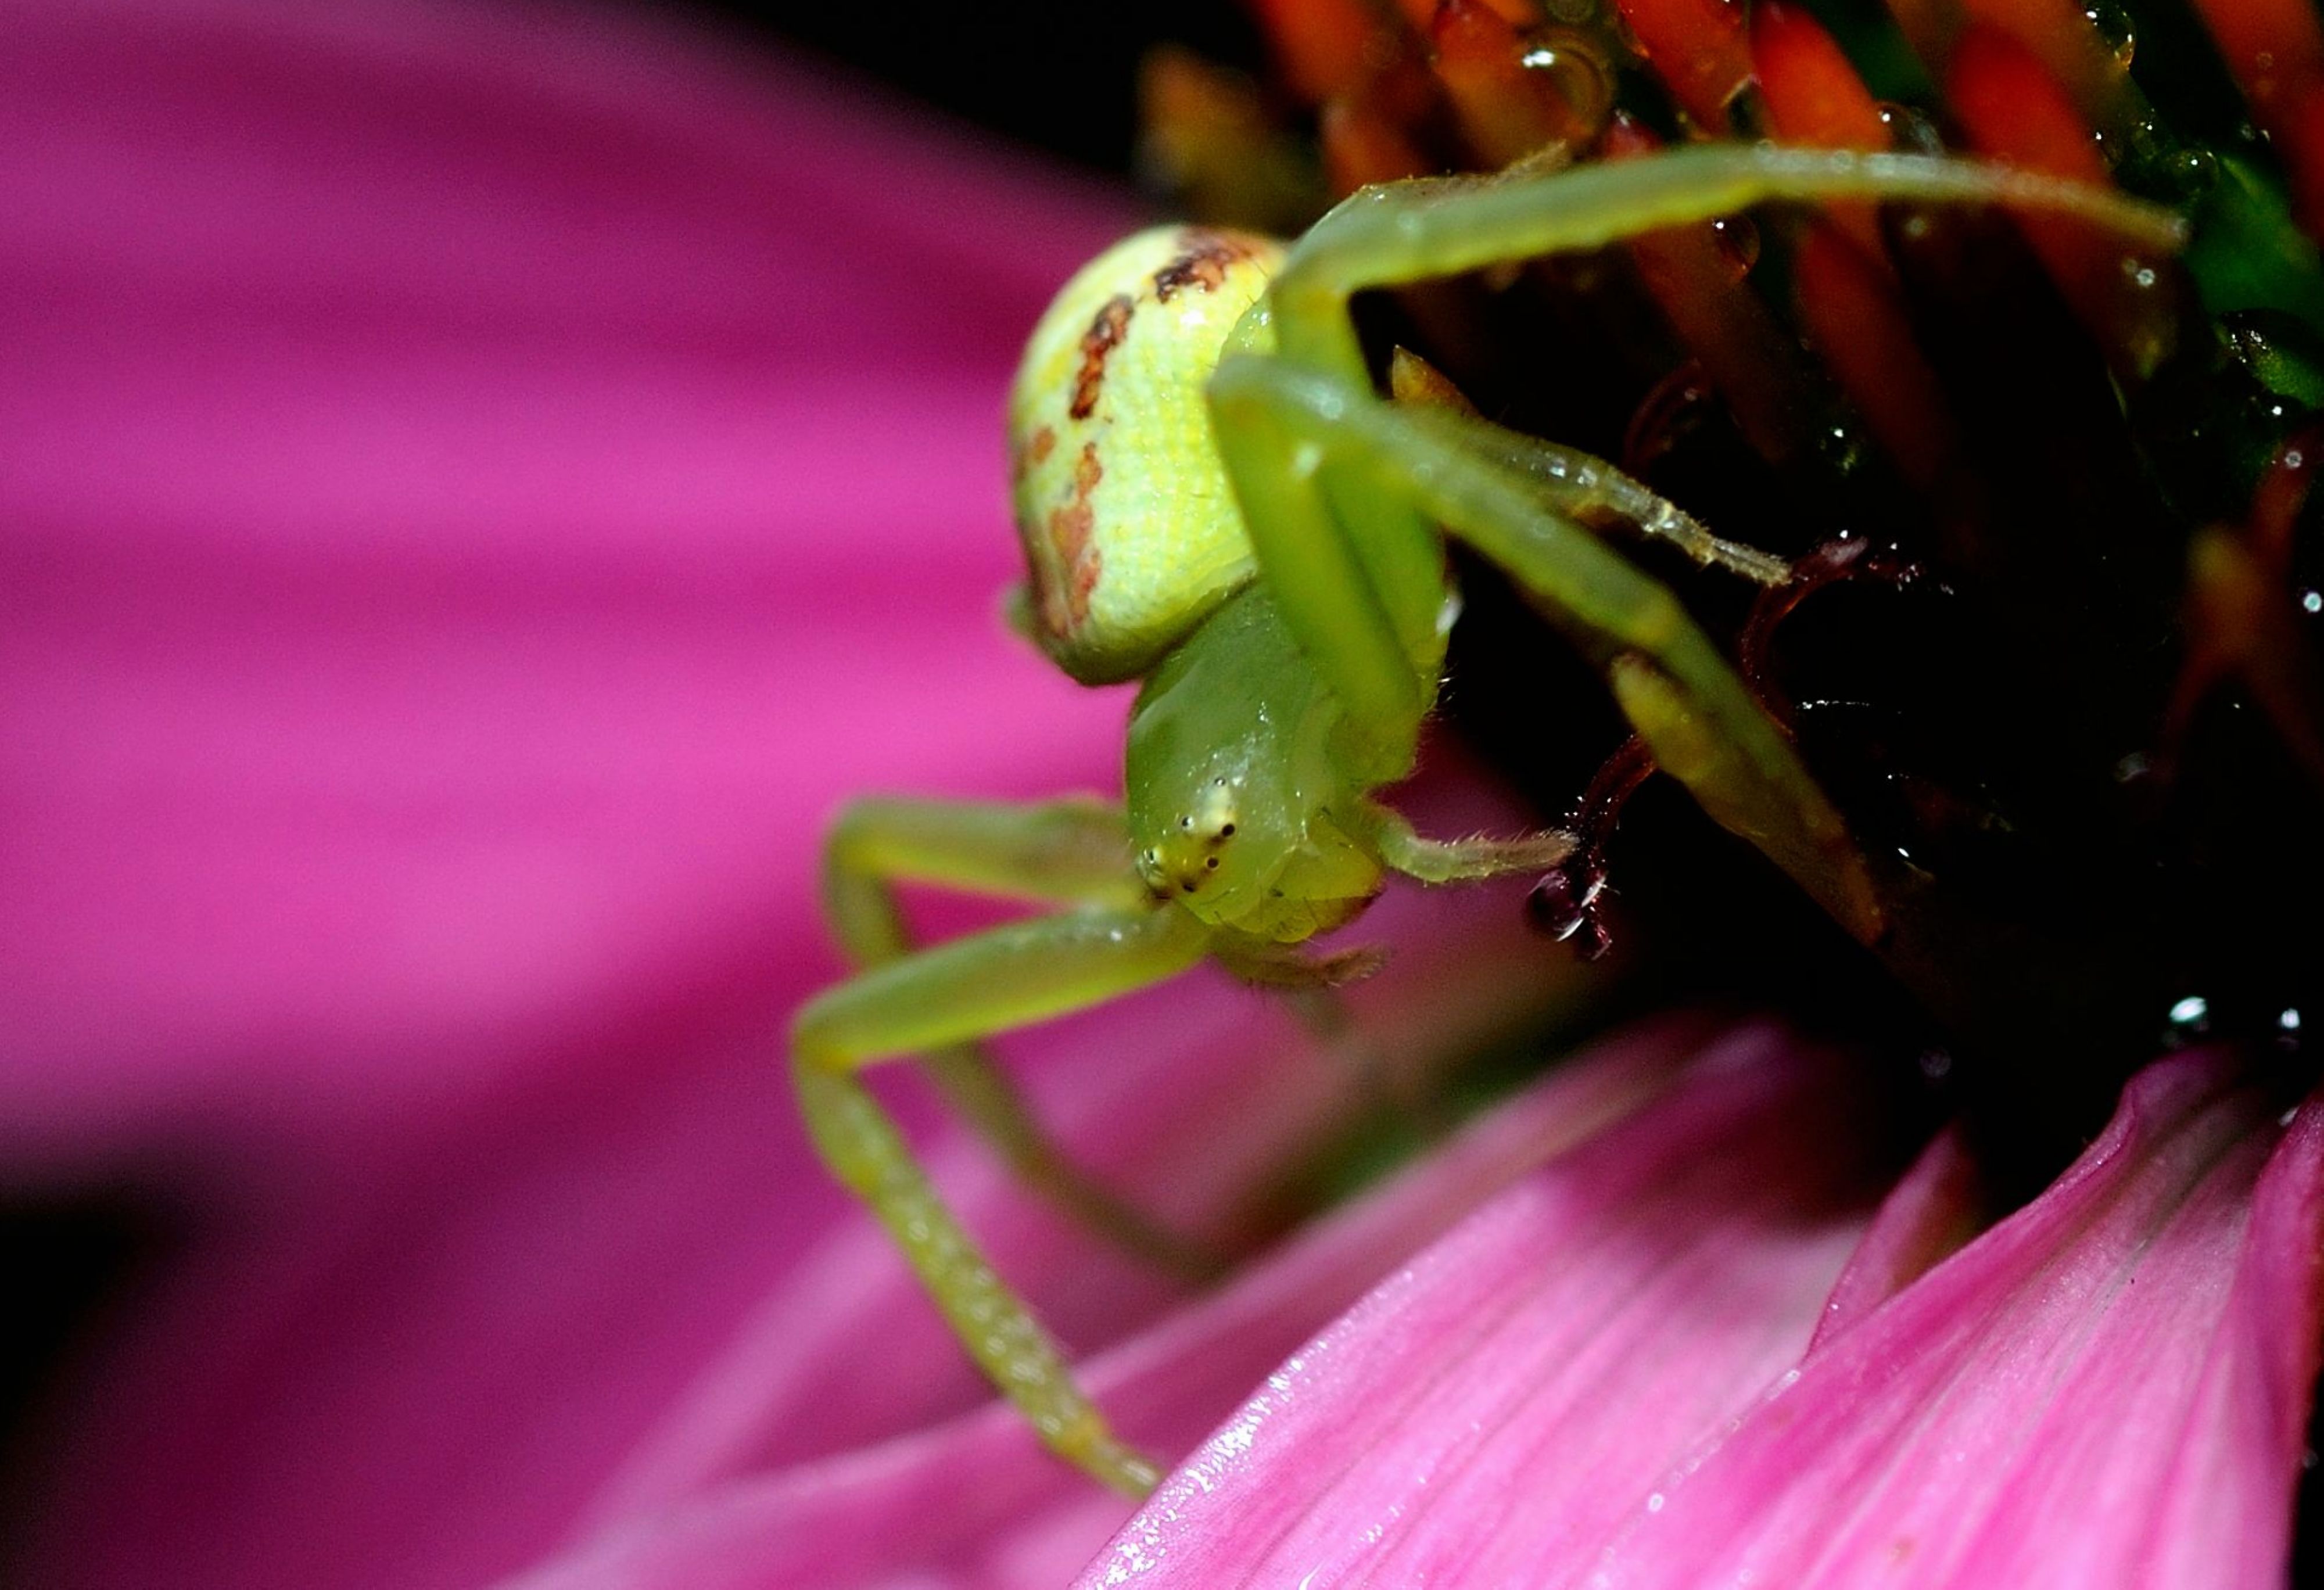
{"x": 1131, "y": 532}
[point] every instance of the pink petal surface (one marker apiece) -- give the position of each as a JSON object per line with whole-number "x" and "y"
{"x": 466, "y": 466}
{"x": 905, "y": 1513}
{"x": 1937, "y": 1208}
{"x": 1530, "y": 1403}
{"x": 1492, "y": 1408}
{"x": 484, "y": 482}
{"x": 2110, "y": 1388}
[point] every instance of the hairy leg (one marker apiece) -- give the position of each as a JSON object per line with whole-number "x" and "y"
{"x": 1459, "y": 861}
{"x": 1576, "y": 483}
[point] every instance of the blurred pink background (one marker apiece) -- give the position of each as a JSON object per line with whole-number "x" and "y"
{"x": 482, "y": 483}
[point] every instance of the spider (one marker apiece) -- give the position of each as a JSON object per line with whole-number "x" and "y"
{"x": 1215, "y": 501}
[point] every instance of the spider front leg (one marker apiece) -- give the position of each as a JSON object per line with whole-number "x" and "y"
{"x": 1070, "y": 852}
{"x": 1280, "y": 424}
{"x": 1338, "y": 490}
{"x": 945, "y": 998}
{"x": 1403, "y": 850}
{"x": 1409, "y": 232}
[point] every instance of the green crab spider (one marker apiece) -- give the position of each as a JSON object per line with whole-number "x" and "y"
{"x": 1215, "y": 501}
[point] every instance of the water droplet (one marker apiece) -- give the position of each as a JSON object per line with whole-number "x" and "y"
{"x": 1675, "y": 407}
{"x": 2115, "y": 35}
{"x": 1575, "y": 69}
{"x": 1739, "y": 242}
{"x": 1655, "y": 1502}
{"x": 2311, "y": 601}
{"x": 1911, "y": 130}
{"x": 2190, "y": 1018}
{"x": 1565, "y": 908}
{"x": 2193, "y": 172}
{"x": 1841, "y": 448}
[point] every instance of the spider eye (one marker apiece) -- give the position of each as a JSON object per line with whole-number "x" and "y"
{"x": 1226, "y": 830}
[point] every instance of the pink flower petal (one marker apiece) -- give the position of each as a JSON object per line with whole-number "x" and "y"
{"x": 1931, "y": 1213}
{"x": 2110, "y": 1388}
{"x": 466, "y": 468}
{"x": 1488, "y": 1413}
{"x": 484, "y": 483}
{"x": 902, "y": 1511}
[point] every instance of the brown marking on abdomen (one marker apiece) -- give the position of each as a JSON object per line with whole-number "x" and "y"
{"x": 1033, "y": 454}
{"x": 1065, "y": 604}
{"x": 1104, "y": 334}
{"x": 1204, "y": 257}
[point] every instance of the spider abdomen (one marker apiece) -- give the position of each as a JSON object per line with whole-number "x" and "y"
{"x": 1131, "y": 534}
